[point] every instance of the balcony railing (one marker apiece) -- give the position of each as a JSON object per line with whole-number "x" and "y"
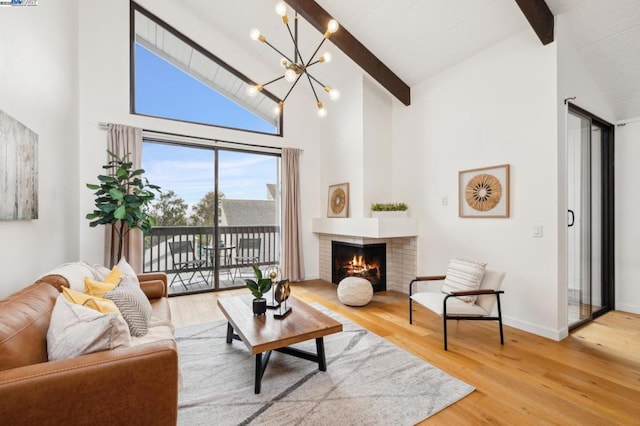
{"x": 228, "y": 249}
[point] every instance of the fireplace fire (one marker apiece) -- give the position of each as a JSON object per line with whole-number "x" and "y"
{"x": 366, "y": 261}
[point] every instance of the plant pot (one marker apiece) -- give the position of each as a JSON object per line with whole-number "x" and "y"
{"x": 259, "y": 306}
{"x": 389, "y": 214}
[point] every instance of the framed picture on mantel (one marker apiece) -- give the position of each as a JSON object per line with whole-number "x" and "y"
{"x": 338, "y": 203}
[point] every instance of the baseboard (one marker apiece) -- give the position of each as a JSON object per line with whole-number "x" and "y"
{"x": 548, "y": 333}
{"x": 624, "y": 307}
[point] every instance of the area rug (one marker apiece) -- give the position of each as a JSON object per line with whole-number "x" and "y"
{"x": 368, "y": 381}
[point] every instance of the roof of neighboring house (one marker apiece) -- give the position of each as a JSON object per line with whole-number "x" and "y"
{"x": 248, "y": 212}
{"x": 271, "y": 191}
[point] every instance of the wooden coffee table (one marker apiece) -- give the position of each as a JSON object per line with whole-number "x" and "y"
{"x": 263, "y": 334}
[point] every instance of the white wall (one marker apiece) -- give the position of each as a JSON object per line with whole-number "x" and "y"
{"x": 38, "y": 87}
{"x": 104, "y": 97}
{"x": 627, "y": 234}
{"x": 495, "y": 108}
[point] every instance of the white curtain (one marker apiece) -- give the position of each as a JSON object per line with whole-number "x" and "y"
{"x": 292, "y": 260}
{"x": 123, "y": 140}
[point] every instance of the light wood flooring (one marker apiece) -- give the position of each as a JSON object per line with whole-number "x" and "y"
{"x": 590, "y": 378}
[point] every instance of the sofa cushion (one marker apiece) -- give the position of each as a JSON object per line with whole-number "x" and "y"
{"x": 128, "y": 271}
{"x": 463, "y": 275}
{"x": 133, "y": 304}
{"x": 76, "y": 330}
{"x": 24, "y": 320}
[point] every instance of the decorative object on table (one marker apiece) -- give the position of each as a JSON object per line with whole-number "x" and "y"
{"x": 355, "y": 291}
{"x": 18, "y": 170}
{"x": 282, "y": 293}
{"x": 123, "y": 199}
{"x": 273, "y": 272}
{"x": 385, "y": 210}
{"x": 258, "y": 288}
{"x": 296, "y": 68}
{"x": 484, "y": 192}
{"x": 338, "y": 204}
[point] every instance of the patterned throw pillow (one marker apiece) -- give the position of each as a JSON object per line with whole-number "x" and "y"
{"x": 463, "y": 275}
{"x": 133, "y": 304}
{"x": 75, "y": 330}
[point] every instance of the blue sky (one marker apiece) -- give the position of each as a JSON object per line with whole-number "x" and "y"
{"x": 164, "y": 90}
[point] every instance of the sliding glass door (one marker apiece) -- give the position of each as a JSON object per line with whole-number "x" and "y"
{"x": 589, "y": 216}
{"x": 218, "y": 207}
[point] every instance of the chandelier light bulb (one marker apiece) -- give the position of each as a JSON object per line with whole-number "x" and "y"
{"x": 322, "y": 112}
{"x": 290, "y": 75}
{"x": 334, "y": 94}
{"x": 333, "y": 26}
{"x": 253, "y": 90}
{"x": 281, "y": 8}
{"x": 326, "y": 57}
{"x": 284, "y": 63}
{"x": 254, "y": 34}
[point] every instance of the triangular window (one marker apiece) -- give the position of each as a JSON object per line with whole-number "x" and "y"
{"x": 174, "y": 78}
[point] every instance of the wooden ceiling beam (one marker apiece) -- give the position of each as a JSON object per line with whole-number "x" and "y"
{"x": 313, "y": 13}
{"x": 540, "y": 18}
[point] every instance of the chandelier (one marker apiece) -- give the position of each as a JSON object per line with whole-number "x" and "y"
{"x": 296, "y": 67}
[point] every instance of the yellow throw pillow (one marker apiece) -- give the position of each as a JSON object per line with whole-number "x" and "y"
{"x": 114, "y": 276}
{"x": 99, "y": 288}
{"x": 100, "y": 304}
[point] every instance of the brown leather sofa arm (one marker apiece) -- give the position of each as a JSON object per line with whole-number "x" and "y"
{"x": 125, "y": 386}
{"x": 154, "y": 284}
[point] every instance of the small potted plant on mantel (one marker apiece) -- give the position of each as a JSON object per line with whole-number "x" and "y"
{"x": 258, "y": 288}
{"x": 381, "y": 210}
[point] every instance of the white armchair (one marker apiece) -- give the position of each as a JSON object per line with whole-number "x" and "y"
{"x": 450, "y": 306}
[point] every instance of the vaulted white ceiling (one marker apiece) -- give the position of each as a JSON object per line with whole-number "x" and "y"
{"x": 417, "y": 39}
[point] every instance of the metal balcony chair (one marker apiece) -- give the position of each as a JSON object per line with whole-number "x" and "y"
{"x": 247, "y": 254}
{"x": 185, "y": 261}
{"x": 475, "y": 304}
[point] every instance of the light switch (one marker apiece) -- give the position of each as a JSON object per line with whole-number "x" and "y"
{"x": 537, "y": 231}
{"x": 445, "y": 200}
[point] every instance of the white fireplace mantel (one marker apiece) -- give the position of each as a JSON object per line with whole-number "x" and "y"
{"x": 370, "y": 227}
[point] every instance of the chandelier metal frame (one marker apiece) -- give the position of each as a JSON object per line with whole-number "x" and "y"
{"x": 297, "y": 67}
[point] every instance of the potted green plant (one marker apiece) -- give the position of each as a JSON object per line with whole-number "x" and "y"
{"x": 122, "y": 199}
{"x": 389, "y": 210}
{"x": 258, "y": 288}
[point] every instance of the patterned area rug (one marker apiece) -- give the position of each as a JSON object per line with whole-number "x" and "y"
{"x": 368, "y": 381}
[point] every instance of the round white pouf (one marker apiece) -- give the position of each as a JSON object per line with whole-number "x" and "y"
{"x": 355, "y": 291}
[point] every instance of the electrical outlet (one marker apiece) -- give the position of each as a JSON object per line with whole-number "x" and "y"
{"x": 445, "y": 200}
{"x": 537, "y": 231}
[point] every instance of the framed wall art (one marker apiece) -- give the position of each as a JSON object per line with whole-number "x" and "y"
{"x": 484, "y": 192}
{"x": 338, "y": 204}
{"x": 18, "y": 170}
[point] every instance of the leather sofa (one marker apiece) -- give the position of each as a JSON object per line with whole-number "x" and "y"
{"x": 137, "y": 385}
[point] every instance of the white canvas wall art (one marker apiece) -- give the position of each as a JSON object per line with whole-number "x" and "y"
{"x": 18, "y": 170}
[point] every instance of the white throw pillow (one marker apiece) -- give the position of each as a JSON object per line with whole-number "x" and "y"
{"x": 76, "y": 330}
{"x": 127, "y": 270}
{"x": 463, "y": 275}
{"x": 133, "y": 304}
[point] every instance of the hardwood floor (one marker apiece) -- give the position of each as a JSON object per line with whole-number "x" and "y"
{"x": 590, "y": 378}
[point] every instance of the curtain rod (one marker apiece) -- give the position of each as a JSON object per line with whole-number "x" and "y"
{"x": 150, "y": 133}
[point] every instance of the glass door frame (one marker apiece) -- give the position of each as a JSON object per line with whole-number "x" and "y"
{"x": 607, "y": 213}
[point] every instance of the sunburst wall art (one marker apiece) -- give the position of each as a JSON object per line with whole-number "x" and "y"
{"x": 484, "y": 192}
{"x": 18, "y": 170}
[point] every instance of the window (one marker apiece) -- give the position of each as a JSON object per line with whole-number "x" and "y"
{"x": 172, "y": 77}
